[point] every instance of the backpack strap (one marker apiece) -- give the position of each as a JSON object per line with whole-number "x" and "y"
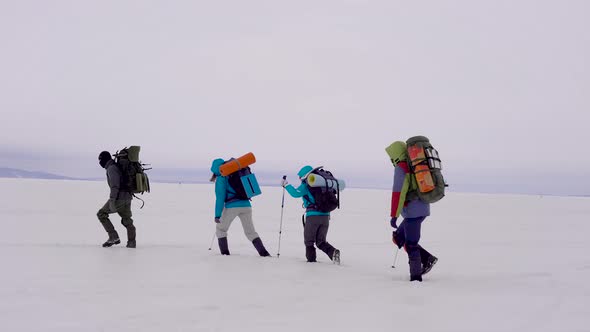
{"x": 142, "y": 202}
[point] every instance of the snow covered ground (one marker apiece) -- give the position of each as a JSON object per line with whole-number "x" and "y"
{"x": 506, "y": 263}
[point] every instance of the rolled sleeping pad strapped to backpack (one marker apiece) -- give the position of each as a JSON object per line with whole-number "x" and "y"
{"x": 133, "y": 153}
{"x": 316, "y": 180}
{"x": 233, "y": 165}
{"x": 142, "y": 183}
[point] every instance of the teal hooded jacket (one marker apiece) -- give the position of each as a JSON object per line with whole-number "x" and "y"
{"x": 224, "y": 191}
{"x": 303, "y": 192}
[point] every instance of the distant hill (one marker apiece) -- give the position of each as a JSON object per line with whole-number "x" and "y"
{"x": 19, "y": 173}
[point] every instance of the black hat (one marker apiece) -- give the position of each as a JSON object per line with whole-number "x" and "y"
{"x": 103, "y": 158}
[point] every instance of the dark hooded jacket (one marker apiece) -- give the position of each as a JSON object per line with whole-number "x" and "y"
{"x": 114, "y": 181}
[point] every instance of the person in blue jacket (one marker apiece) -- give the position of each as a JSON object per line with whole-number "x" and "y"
{"x": 315, "y": 229}
{"x": 227, "y": 208}
{"x": 405, "y": 202}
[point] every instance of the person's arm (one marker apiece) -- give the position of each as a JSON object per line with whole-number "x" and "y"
{"x": 114, "y": 179}
{"x": 220, "y": 193}
{"x": 400, "y": 188}
{"x": 294, "y": 192}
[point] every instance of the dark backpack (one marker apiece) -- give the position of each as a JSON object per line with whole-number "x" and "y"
{"x": 133, "y": 177}
{"x": 244, "y": 184}
{"x": 326, "y": 199}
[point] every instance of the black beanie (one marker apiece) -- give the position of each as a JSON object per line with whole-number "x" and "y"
{"x": 103, "y": 158}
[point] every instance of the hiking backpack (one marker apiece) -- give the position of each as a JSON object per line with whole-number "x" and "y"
{"x": 133, "y": 177}
{"x": 427, "y": 181}
{"x": 327, "y": 199}
{"x": 244, "y": 182}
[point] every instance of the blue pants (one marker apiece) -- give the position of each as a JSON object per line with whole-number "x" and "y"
{"x": 408, "y": 236}
{"x": 408, "y": 231}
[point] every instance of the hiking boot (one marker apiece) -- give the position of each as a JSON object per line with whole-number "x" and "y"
{"x": 310, "y": 254}
{"x": 113, "y": 239}
{"x": 426, "y": 267}
{"x": 257, "y": 242}
{"x": 131, "y": 244}
{"x": 416, "y": 278}
{"x": 223, "y": 247}
{"x": 336, "y": 258}
{"x": 395, "y": 238}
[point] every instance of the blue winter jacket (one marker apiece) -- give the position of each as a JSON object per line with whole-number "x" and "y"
{"x": 224, "y": 191}
{"x": 303, "y": 192}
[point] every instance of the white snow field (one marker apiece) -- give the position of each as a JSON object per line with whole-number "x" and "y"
{"x": 506, "y": 263}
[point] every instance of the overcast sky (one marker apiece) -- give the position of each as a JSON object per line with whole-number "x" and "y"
{"x": 498, "y": 86}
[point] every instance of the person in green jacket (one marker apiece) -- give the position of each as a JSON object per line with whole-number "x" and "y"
{"x": 315, "y": 229}
{"x": 227, "y": 208}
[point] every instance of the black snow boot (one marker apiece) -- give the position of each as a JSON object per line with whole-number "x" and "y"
{"x": 131, "y": 236}
{"x": 414, "y": 262}
{"x": 223, "y": 245}
{"x": 426, "y": 267}
{"x": 257, "y": 242}
{"x": 336, "y": 258}
{"x": 310, "y": 254}
{"x": 113, "y": 239}
{"x": 424, "y": 255}
{"x": 397, "y": 239}
{"x": 427, "y": 259}
{"x": 416, "y": 278}
{"x": 328, "y": 249}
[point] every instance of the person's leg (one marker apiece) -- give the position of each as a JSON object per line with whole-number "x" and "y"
{"x": 398, "y": 236}
{"x": 124, "y": 210}
{"x": 103, "y": 217}
{"x": 227, "y": 216}
{"x": 322, "y": 234}
{"x": 245, "y": 216}
{"x": 309, "y": 234}
{"x": 412, "y": 236}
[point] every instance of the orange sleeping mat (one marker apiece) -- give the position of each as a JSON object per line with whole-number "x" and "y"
{"x": 233, "y": 165}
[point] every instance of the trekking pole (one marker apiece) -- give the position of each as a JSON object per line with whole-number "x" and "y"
{"x": 395, "y": 259}
{"x": 212, "y": 239}
{"x": 281, "y": 226}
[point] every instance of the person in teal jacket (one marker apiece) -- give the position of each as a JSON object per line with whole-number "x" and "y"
{"x": 315, "y": 229}
{"x": 227, "y": 208}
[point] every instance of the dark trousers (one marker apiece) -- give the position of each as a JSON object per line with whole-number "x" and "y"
{"x": 408, "y": 236}
{"x": 123, "y": 208}
{"x": 315, "y": 232}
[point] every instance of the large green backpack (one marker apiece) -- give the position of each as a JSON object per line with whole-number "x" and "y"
{"x": 426, "y": 182}
{"x": 133, "y": 177}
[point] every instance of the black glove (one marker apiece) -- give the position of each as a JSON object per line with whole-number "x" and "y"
{"x": 393, "y": 222}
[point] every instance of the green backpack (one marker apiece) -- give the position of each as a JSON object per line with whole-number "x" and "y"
{"x": 427, "y": 181}
{"x": 133, "y": 177}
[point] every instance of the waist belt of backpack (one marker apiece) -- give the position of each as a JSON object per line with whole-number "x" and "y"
{"x": 312, "y": 208}
{"x": 235, "y": 199}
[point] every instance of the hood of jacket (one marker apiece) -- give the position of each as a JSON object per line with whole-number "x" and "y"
{"x": 215, "y": 166}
